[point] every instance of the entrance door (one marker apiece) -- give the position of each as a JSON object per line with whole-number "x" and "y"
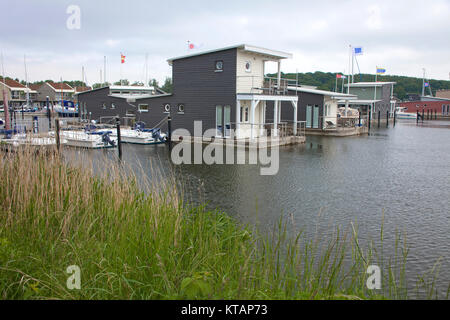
{"x": 308, "y": 116}
{"x": 316, "y": 117}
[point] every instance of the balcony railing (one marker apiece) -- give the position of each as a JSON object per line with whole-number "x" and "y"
{"x": 265, "y": 85}
{"x": 283, "y": 129}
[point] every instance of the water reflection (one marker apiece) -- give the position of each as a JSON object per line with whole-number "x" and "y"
{"x": 328, "y": 182}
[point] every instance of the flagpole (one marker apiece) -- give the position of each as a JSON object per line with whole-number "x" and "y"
{"x": 376, "y": 77}
{"x": 423, "y": 83}
{"x": 349, "y": 66}
{"x": 353, "y": 62}
{"x": 335, "y": 86}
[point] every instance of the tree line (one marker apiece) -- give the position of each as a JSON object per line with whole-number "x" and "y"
{"x": 166, "y": 86}
{"x": 404, "y": 85}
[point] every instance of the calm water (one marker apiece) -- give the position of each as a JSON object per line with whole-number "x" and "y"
{"x": 330, "y": 182}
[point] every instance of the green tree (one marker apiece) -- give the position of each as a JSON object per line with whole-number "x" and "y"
{"x": 168, "y": 86}
{"x": 153, "y": 83}
{"x": 123, "y": 82}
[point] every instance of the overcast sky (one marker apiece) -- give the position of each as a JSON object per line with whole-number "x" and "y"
{"x": 401, "y": 36}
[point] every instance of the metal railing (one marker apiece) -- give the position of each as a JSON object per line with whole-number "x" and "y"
{"x": 283, "y": 129}
{"x": 265, "y": 85}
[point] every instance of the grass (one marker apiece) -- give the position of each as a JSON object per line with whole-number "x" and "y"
{"x": 135, "y": 240}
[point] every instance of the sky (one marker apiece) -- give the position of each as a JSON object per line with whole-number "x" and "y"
{"x": 401, "y": 36}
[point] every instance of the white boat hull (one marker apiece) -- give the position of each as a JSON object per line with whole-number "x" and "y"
{"x": 24, "y": 140}
{"x": 136, "y": 137}
{"x": 81, "y": 139}
{"x": 412, "y": 116}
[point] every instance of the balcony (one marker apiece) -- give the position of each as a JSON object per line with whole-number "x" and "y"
{"x": 265, "y": 85}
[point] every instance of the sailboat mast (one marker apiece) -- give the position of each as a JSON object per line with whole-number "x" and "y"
{"x": 5, "y": 98}
{"x": 423, "y": 83}
{"x": 26, "y": 80}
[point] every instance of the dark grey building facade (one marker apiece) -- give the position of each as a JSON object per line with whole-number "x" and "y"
{"x": 197, "y": 90}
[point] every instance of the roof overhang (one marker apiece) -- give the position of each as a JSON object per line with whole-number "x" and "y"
{"x": 333, "y": 95}
{"x": 264, "y": 97}
{"x": 368, "y": 84}
{"x": 134, "y": 97}
{"x": 273, "y": 54}
{"x": 131, "y": 88}
{"x": 357, "y": 102}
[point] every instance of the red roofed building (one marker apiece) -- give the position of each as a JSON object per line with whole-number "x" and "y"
{"x": 15, "y": 92}
{"x": 441, "y": 107}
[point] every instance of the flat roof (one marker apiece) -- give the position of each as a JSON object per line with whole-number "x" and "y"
{"x": 137, "y": 88}
{"x": 368, "y": 84}
{"x": 359, "y": 101}
{"x": 259, "y": 50}
{"x": 323, "y": 92}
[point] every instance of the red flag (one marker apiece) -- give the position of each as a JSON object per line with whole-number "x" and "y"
{"x": 338, "y": 76}
{"x": 122, "y": 58}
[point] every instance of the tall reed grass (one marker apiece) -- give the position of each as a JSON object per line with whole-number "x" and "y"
{"x": 135, "y": 239}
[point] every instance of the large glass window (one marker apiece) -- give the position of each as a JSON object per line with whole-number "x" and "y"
{"x": 219, "y": 121}
{"x": 227, "y": 120}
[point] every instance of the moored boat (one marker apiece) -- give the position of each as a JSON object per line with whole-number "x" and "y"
{"x": 140, "y": 135}
{"x": 90, "y": 138}
{"x": 401, "y": 114}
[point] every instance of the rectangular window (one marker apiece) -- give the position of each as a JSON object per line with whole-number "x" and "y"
{"x": 143, "y": 108}
{"x": 244, "y": 114}
{"x": 219, "y": 121}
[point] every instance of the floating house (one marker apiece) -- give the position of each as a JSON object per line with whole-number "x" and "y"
{"x": 318, "y": 109}
{"x": 372, "y": 97}
{"x": 128, "y": 102}
{"x": 224, "y": 88}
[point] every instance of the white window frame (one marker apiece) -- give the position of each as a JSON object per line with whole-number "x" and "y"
{"x": 249, "y": 70}
{"x": 142, "y": 110}
{"x": 244, "y": 114}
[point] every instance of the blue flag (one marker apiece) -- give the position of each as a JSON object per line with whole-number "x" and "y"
{"x": 357, "y": 51}
{"x": 427, "y": 84}
{"x": 381, "y": 71}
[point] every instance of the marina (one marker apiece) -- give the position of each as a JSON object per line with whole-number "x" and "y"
{"x": 273, "y": 161}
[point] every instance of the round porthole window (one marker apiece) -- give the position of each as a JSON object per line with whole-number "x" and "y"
{"x": 219, "y": 65}
{"x": 248, "y": 66}
{"x": 167, "y": 108}
{"x": 181, "y": 108}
